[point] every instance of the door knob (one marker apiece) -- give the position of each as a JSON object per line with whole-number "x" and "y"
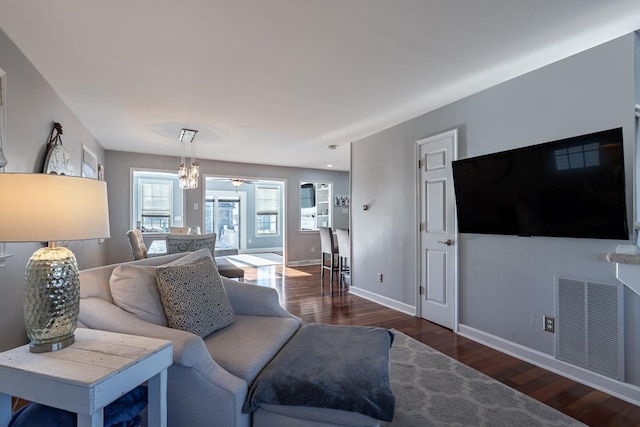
{"x": 447, "y": 242}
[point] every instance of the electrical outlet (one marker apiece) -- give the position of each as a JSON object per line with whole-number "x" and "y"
{"x": 549, "y": 323}
{"x": 313, "y": 249}
{"x": 379, "y": 277}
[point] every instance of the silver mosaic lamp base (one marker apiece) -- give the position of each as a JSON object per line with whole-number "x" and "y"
{"x": 51, "y": 298}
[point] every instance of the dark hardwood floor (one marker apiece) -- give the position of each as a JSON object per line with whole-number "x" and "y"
{"x": 300, "y": 293}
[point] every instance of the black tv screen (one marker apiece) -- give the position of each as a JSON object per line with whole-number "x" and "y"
{"x": 307, "y": 196}
{"x": 572, "y": 187}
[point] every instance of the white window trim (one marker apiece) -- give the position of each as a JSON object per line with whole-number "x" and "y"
{"x": 132, "y": 219}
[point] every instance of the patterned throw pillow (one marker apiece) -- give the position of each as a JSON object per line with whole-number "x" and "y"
{"x": 134, "y": 289}
{"x": 194, "y": 298}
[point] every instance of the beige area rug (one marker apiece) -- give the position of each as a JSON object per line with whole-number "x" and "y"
{"x": 432, "y": 389}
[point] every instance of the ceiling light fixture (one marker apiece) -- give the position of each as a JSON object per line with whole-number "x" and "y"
{"x": 236, "y": 182}
{"x": 188, "y": 175}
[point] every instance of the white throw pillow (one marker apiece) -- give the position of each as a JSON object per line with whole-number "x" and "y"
{"x": 134, "y": 288}
{"x": 194, "y": 298}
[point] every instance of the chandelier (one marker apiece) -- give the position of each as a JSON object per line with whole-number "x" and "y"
{"x": 188, "y": 175}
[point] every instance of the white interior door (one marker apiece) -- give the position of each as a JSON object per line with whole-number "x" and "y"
{"x": 438, "y": 254}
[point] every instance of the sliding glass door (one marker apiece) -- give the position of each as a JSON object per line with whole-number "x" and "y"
{"x": 223, "y": 216}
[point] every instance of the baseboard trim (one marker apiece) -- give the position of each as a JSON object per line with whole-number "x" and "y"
{"x": 382, "y": 300}
{"x": 262, "y": 250}
{"x": 625, "y": 391}
{"x": 303, "y": 262}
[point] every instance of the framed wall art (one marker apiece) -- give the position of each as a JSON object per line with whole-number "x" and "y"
{"x": 89, "y": 163}
{"x": 3, "y": 120}
{"x": 341, "y": 201}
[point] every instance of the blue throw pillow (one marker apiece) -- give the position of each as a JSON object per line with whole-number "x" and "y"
{"x": 123, "y": 412}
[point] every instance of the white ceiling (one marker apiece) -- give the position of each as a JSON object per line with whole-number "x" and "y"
{"x": 278, "y": 81}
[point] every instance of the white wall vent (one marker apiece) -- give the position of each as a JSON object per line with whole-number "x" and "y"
{"x": 589, "y": 326}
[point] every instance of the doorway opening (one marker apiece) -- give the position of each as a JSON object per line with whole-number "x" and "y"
{"x": 247, "y": 214}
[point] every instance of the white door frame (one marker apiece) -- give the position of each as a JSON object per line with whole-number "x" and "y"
{"x": 454, "y": 134}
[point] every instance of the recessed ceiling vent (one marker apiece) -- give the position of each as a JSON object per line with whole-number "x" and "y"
{"x": 590, "y": 326}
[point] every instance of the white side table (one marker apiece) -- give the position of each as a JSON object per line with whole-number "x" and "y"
{"x": 88, "y": 375}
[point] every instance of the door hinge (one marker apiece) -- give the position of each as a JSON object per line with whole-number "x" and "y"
{"x": 421, "y": 290}
{"x": 419, "y": 164}
{"x": 421, "y": 227}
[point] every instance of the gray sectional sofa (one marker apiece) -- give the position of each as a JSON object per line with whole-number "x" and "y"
{"x": 210, "y": 378}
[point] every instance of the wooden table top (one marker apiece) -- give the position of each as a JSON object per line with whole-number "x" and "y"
{"x": 94, "y": 357}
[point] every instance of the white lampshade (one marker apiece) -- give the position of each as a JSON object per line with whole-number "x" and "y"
{"x": 49, "y": 208}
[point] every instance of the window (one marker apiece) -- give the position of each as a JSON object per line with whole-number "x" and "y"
{"x": 157, "y": 201}
{"x": 580, "y": 156}
{"x": 267, "y": 210}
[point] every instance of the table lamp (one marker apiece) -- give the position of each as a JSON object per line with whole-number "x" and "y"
{"x": 51, "y": 208}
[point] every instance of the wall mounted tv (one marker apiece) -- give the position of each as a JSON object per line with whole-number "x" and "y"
{"x": 572, "y": 187}
{"x": 307, "y": 195}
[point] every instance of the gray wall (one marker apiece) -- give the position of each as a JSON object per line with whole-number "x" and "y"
{"x": 32, "y": 107}
{"x": 506, "y": 283}
{"x": 299, "y": 246}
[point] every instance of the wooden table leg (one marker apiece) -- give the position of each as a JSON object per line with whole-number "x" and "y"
{"x": 5, "y": 409}
{"x": 94, "y": 420}
{"x": 157, "y": 395}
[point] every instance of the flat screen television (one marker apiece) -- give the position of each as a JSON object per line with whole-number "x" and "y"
{"x": 573, "y": 187}
{"x": 307, "y": 195}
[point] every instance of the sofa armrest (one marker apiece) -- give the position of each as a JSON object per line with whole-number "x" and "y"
{"x": 255, "y": 300}
{"x": 189, "y": 349}
{"x": 198, "y": 387}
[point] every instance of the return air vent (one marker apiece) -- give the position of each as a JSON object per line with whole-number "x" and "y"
{"x": 590, "y": 326}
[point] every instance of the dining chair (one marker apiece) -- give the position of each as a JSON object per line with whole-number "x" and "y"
{"x": 344, "y": 255}
{"x": 190, "y": 242}
{"x": 138, "y": 248}
{"x": 329, "y": 255}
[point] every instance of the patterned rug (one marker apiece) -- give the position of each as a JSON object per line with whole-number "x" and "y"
{"x": 432, "y": 389}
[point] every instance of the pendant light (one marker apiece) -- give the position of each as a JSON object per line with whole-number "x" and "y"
{"x": 188, "y": 175}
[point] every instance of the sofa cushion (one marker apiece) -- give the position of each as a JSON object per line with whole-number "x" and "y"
{"x": 134, "y": 289}
{"x": 194, "y": 298}
{"x": 248, "y": 345}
